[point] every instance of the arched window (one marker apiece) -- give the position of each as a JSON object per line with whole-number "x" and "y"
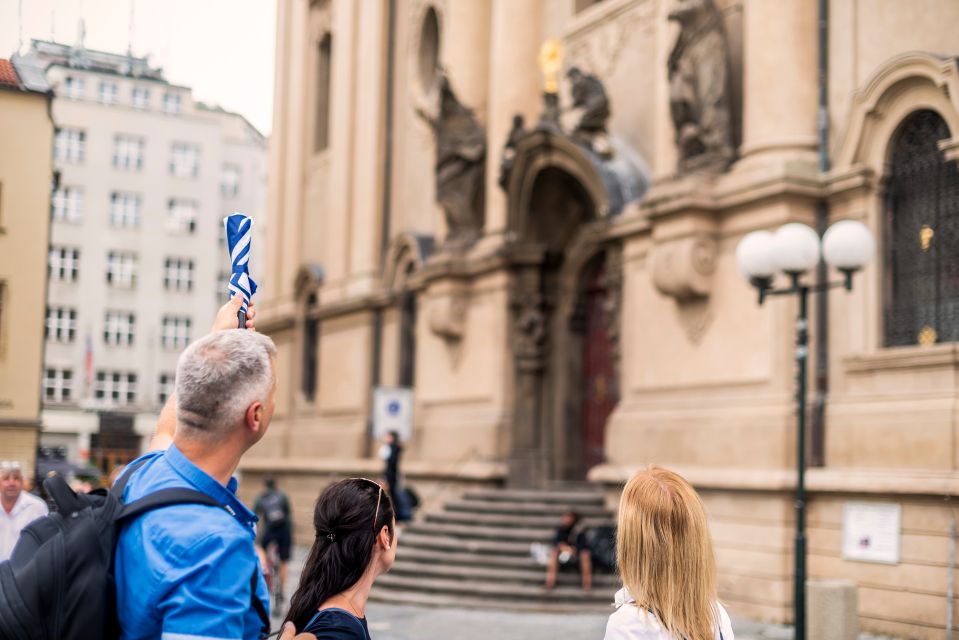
{"x": 407, "y": 301}
{"x": 922, "y": 236}
{"x": 324, "y": 72}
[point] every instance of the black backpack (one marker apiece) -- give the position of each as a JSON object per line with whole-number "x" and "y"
{"x": 58, "y": 583}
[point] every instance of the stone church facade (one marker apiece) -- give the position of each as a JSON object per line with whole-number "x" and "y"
{"x": 527, "y": 212}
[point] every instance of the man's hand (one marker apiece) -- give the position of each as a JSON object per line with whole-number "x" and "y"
{"x": 226, "y": 316}
{"x": 289, "y": 633}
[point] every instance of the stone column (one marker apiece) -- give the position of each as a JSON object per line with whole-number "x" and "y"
{"x": 515, "y": 87}
{"x": 779, "y": 79}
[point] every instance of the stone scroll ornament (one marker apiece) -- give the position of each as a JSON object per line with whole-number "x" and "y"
{"x": 460, "y": 166}
{"x": 239, "y": 235}
{"x": 699, "y": 95}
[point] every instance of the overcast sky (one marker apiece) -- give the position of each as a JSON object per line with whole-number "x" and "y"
{"x": 222, "y": 49}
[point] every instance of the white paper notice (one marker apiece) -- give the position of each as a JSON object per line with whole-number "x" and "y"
{"x": 871, "y": 532}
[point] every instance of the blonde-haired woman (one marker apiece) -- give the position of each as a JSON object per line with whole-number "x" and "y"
{"x": 666, "y": 563}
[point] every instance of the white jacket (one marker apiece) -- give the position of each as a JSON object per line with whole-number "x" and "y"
{"x": 629, "y": 622}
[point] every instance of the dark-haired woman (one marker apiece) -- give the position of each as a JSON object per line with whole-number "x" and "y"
{"x": 355, "y": 543}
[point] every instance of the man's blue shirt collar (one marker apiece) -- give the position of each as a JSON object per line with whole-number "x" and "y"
{"x": 210, "y": 486}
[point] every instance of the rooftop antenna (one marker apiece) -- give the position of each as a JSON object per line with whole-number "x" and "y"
{"x": 82, "y": 35}
{"x": 130, "y": 33}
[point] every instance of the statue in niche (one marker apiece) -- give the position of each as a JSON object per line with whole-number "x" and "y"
{"x": 509, "y": 150}
{"x": 460, "y": 165}
{"x": 591, "y": 108}
{"x": 699, "y": 87}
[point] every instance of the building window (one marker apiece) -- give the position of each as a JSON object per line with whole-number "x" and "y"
{"x": 176, "y": 332}
{"x": 324, "y": 53}
{"x": 68, "y": 204}
{"x": 311, "y": 344}
{"x": 109, "y": 92}
{"x": 185, "y": 160}
{"x": 165, "y": 387}
{"x": 118, "y": 328}
{"x": 121, "y": 269}
{"x": 61, "y": 324}
{"x": 116, "y": 387}
{"x": 230, "y": 181}
{"x": 178, "y": 274}
{"x": 125, "y": 210}
{"x": 57, "y": 385}
{"x": 70, "y": 145}
{"x": 181, "y": 216}
{"x": 922, "y": 236}
{"x": 171, "y": 103}
{"x": 64, "y": 264}
{"x": 407, "y": 338}
{"x": 74, "y": 87}
{"x": 141, "y": 98}
{"x": 128, "y": 152}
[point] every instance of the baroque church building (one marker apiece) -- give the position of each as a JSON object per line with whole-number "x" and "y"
{"x": 527, "y": 212}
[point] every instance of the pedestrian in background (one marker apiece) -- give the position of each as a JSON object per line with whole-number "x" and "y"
{"x": 390, "y": 452}
{"x": 355, "y": 543}
{"x": 569, "y": 546}
{"x": 273, "y": 508}
{"x": 19, "y": 507}
{"x": 665, "y": 557}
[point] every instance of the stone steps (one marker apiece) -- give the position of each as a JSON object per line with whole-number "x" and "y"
{"x": 476, "y": 553}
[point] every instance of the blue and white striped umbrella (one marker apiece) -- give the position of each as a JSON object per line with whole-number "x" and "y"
{"x": 239, "y": 233}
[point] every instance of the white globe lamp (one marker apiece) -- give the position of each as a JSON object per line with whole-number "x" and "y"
{"x": 795, "y": 248}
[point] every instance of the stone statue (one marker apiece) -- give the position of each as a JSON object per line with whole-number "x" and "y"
{"x": 699, "y": 87}
{"x": 509, "y": 151}
{"x": 592, "y": 110}
{"x": 460, "y": 166}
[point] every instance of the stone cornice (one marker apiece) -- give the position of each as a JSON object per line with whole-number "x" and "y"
{"x": 476, "y": 471}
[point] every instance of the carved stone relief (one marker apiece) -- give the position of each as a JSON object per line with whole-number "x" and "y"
{"x": 530, "y": 318}
{"x": 448, "y": 314}
{"x": 597, "y": 46}
{"x": 699, "y": 94}
{"x": 683, "y": 268}
{"x": 614, "y": 302}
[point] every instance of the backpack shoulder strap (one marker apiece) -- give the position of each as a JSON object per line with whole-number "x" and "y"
{"x": 121, "y": 482}
{"x": 257, "y": 604}
{"x": 165, "y": 498}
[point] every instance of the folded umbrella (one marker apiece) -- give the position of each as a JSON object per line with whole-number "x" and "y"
{"x": 239, "y": 231}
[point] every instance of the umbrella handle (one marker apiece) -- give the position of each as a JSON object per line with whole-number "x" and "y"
{"x": 241, "y": 318}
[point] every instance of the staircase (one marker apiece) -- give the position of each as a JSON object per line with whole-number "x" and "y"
{"x": 476, "y": 553}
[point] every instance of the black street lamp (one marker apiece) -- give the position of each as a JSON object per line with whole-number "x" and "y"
{"x": 794, "y": 249}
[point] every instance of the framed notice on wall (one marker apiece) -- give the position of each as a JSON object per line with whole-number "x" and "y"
{"x": 871, "y": 532}
{"x": 393, "y": 411}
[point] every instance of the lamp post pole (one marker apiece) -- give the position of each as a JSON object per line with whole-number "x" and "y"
{"x": 802, "y": 357}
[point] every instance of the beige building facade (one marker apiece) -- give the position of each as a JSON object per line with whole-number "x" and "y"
{"x": 26, "y": 176}
{"x": 561, "y": 293}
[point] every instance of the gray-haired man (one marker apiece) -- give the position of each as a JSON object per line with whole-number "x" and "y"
{"x": 189, "y": 570}
{"x": 19, "y": 508}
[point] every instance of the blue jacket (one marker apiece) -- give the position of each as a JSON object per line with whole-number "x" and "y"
{"x": 183, "y": 572}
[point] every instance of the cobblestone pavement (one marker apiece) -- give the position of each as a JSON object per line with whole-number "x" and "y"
{"x": 403, "y": 622}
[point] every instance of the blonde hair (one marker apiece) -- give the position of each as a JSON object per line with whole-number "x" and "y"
{"x": 665, "y": 554}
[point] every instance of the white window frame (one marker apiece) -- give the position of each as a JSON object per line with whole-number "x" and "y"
{"x": 182, "y": 215}
{"x": 109, "y": 92}
{"x": 68, "y": 204}
{"x": 60, "y": 382}
{"x": 74, "y": 87}
{"x": 125, "y": 209}
{"x": 128, "y": 151}
{"x": 61, "y": 324}
{"x": 63, "y": 264}
{"x": 121, "y": 269}
{"x": 119, "y": 328}
{"x": 70, "y": 145}
{"x": 172, "y": 103}
{"x": 230, "y": 178}
{"x": 175, "y": 333}
{"x": 166, "y": 385}
{"x": 140, "y": 97}
{"x": 184, "y": 160}
{"x": 178, "y": 274}
{"x": 115, "y": 387}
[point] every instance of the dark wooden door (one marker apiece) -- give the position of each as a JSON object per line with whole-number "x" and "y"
{"x": 601, "y": 388}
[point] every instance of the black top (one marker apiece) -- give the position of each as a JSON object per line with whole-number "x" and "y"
{"x": 564, "y": 535}
{"x": 337, "y": 624}
{"x": 393, "y": 465}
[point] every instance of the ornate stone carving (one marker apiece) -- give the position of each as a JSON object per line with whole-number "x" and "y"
{"x": 597, "y": 45}
{"x": 683, "y": 268}
{"x": 695, "y": 317}
{"x": 530, "y": 318}
{"x": 613, "y": 282}
{"x": 509, "y": 151}
{"x": 460, "y": 166}
{"x": 591, "y": 109}
{"x": 699, "y": 87}
{"x": 448, "y": 314}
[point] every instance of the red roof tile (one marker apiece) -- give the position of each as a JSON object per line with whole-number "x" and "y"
{"x": 8, "y": 75}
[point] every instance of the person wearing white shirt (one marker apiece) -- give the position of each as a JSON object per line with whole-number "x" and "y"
{"x": 666, "y": 563}
{"x": 17, "y": 507}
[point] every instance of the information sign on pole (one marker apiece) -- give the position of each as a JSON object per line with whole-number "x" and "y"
{"x": 393, "y": 411}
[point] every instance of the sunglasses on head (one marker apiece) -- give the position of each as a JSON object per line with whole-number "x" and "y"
{"x": 379, "y": 497}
